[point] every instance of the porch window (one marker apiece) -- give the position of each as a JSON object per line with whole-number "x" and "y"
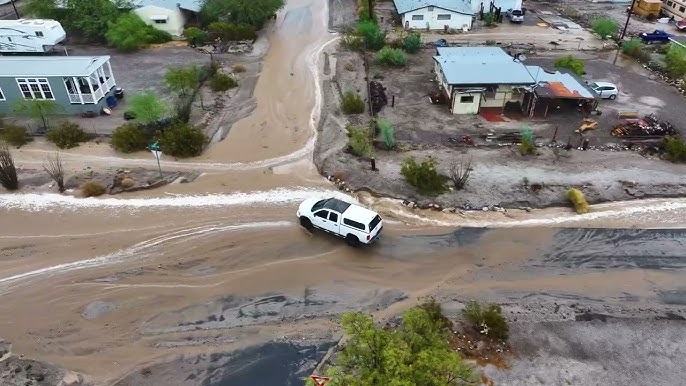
{"x": 39, "y": 34}
{"x": 444, "y": 17}
{"x": 2, "y": 95}
{"x": 159, "y": 19}
{"x": 417, "y": 17}
{"x": 467, "y": 99}
{"x": 35, "y": 88}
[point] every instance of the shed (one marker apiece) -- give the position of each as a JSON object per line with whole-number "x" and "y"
{"x": 435, "y": 14}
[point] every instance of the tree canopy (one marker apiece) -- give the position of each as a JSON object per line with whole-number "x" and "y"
{"x": 416, "y": 353}
{"x": 251, "y": 12}
{"x": 128, "y": 33}
{"x": 147, "y": 107}
{"x": 577, "y": 66}
{"x": 38, "y": 109}
{"x": 182, "y": 81}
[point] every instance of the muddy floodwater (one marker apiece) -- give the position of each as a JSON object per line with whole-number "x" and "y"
{"x": 215, "y": 283}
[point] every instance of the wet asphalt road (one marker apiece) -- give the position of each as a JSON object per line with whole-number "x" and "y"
{"x": 570, "y": 249}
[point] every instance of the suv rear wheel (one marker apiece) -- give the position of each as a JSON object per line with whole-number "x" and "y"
{"x": 613, "y": 97}
{"x": 352, "y": 240}
{"x": 306, "y": 223}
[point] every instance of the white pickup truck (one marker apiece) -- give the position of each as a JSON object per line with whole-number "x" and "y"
{"x": 356, "y": 224}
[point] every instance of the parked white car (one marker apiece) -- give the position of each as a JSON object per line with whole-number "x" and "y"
{"x": 515, "y": 15}
{"x": 356, "y": 224}
{"x": 605, "y": 90}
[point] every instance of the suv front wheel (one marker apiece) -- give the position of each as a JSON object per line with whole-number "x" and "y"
{"x": 306, "y": 223}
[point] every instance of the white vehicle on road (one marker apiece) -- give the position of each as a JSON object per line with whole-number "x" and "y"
{"x": 605, "y": 90}
{"x": 356, "y": 224}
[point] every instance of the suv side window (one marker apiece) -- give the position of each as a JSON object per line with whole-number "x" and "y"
{"x": 322, "y": 213}
{"x": 333, "y": 217}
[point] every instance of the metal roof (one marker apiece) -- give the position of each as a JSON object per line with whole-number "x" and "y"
{"x": 459, "y": 6}
{"x": 481, "y": 66}
{"x": 560, "y": 85}
{"x": 190, "y": 5}
{"x": 47, "y": 66}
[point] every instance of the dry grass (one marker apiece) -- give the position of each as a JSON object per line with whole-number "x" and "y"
{"x": 127, "y": 182}
{"x": 350, "y": 66}
{"x": 237, "y": 68}
{"x": 92, "y": 189}
{"x": 577, "y": 198}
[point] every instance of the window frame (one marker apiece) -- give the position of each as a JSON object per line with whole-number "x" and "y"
{"x": 438, "y": 17}
{"x": 160, "y": 21}
{"x": 325, "y": 217}
{"x": 467, "y": 99}
{"x": 417, "y": 17}
{"x": 333, "y": 216}
{"x": 682, "y": 9}
{"x": 39, "y": 83}
{"x": 354, "y": 224}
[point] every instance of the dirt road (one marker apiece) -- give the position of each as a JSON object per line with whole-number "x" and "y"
{"x": 185, "y": 286}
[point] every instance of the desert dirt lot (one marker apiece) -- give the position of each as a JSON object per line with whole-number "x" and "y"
{"x": 602, "y": 172}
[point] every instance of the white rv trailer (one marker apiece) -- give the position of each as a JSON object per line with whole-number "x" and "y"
{"x": 30, "y": 35}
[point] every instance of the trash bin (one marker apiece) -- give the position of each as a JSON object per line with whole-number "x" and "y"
{"x": 119, "y": 93}
{"x": 111, "y": 101}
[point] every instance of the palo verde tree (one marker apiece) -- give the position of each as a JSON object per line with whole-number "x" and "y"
{"x": 128, "y": 33}
{"x": 417, "y": 353}
{"x": 40, "y": 110}
{"x": 577, "y": 66}
{"x": 183, "y": 81}
{"x": 251, "y": 12}
{"x": 147, "y": 107}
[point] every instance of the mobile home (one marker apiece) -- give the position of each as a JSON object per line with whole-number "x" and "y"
{"x": 30, "y": 35}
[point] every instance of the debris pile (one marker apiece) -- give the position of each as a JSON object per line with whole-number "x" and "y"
{"x": 649, "y": 126}
{"x": 378, "y": 95}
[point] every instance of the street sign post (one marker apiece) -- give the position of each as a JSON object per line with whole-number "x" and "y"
{"x": 320, "y": 381}
{"x": 157, "y": 152}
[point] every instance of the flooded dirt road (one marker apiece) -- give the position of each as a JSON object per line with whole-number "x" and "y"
{"x": 214, "y": 283}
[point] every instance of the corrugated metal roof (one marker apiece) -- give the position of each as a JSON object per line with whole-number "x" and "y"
{"x": 481, "y": 66}
{"x": 459, "y": 6}
{"x": 559, "y": 84}
{"x": 190, "y": 5}
{"x": 29, "y": 66}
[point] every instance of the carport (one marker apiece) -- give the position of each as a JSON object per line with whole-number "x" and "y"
{"x": 558, "y": 91}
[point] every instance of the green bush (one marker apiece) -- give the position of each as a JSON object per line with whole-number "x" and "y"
{"x": 156, "y": 36}
{"x": 423, "y": 176}
{"x": 222, "y": 82}
{"x": 182, "y": 140}
{"x": 569, "y": 62}
{"x": 92, "y": 189}
{"x": 15, "y": 135}
{"x": 391, "y": 57}
{"x": 66, "y": 135}
{"x": 605, "y": 27}
{"x": 435, "y": 313}
{"x": 674, "y": 149}
{"x": 387, "y": 132}
{"x": 360, "y": 141}
{"x": 128, "y": 138}
{"x": 352, "y": 103}
{"x": 227, "y": 32}
{"x": 129, "y": 33}
{"x": 363, "y": 11}
{"x": 487, "y": 318}
{"x": 371, "y": 35}
{"x": 577, "y": 198}
{"x": 195, "y": 36}
{"x": 412, "y": 43}
{"x": 526, "y": 147}
{"x": 676, "y": 60}
{"x": 351, "y": 42}
{"x": 636, "y": 49}
{"x": 489, "y": 19}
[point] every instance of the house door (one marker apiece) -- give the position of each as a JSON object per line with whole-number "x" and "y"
{"x": 407, "y": 24}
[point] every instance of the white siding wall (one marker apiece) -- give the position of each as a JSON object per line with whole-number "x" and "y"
{"x": 457, "y": 20}
{"x": 461, "y": 104}
{"x": 175, "y": 19}
{"x": 503, "y": 94}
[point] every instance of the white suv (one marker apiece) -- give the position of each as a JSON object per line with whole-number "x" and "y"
{"x": 356, "y": 224}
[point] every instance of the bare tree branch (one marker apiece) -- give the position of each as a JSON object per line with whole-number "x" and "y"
{"x": 53, "y": 166}
{"x": 8, "y": 172}
{"x": 460, "y": 172}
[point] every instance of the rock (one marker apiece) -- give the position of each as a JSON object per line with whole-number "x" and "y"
{"x": 71, "y": 379}
{"x": 5, "y": 348}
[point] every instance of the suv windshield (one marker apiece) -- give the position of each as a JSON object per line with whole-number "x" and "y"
{"x": 320, "y": 204}
{"x": 517, "y": 12}
{"x": 374, "y": 223}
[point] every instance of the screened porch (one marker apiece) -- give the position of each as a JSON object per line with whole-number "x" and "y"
{"x": 90, "y": 89}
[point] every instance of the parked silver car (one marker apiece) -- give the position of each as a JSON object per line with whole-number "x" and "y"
{"x": 605, "y": 90}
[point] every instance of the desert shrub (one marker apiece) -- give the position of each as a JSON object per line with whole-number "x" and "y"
{"x": 412, "y": 43}
{"x": 371, "y": 35}
{"x": 488, "y": 319}
{"x": 228, "y": 32}
{"x": 423, "y": 176}
{"x": 127, "y": 182}
{"x": 128, "y": 138}
{"x": 569, "y": 62}
{"x": 435, "y": 313}
{"x": 195, "y": 36}
{"x": 489, "y": 19}
{"x": 527, "y": 142}
{"x": 395, "y": 43}
{"x": 605, "y": 27}
{"x": 222, "y": 82}
{"x": 350, "y": 66}
{"x": 363, "y": 11}
{"x": 391, "y": 57}
{"x": 360, "y": 141}
{"x": 387, "y": 132}
{"x": 66, "y": 135}
{"x": 156, "y": 36}
{"x": 92, "y": 189}
{"x": 352, "y": 103}
{"x": 460, "y": 172}
{"x": 8, "y": 172}
{"x": 130, "y": 33}
{"x": 238, "y": 68}
{"x": 674, "y": 149}
{"x": 15, "y": 135}
{"x": 577, "y": 198}
{"x": 55, "y": 168}
{"x": 147, "y": 106}
{"x": 182, "y": 140}
{"x": 351, "y": 42}
{"x": 636, "y": 49}
{"x": 676, "y": 60}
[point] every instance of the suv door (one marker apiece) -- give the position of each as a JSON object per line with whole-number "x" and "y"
{"x": 321, "y": 218}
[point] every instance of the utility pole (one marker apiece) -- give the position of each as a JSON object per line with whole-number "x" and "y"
{"x": 16, "y": 12}
{"x": 371, "y": 9}
{"x": 628, "y": 17}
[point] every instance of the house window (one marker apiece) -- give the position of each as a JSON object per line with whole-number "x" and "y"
{"x": 39, "y": 34}
{"x": 431, "y": 9}
{"x": 160, "y": 21}
{"x": 490, "y": 93}
{"x": 682, "y": 9}
{"x": 467, "y": 99}
{"x": 669, "y": 4}
{"x": 35, "y": 88}
{"x": 2, "y": 95}
{"x": 417, "y": 17}
{"x": 444, "y": 17}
